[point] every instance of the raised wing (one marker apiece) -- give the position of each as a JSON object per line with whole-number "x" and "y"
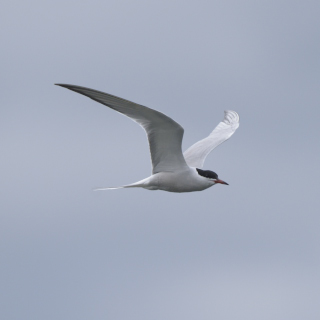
{"x": 164, "y": 134}
{"x": 197, "y": 153}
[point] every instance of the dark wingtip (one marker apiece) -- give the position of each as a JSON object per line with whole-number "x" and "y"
{"x": 62, "y": 85}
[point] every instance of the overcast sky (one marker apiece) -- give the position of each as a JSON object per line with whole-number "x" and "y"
{"x": 247, "y": 251}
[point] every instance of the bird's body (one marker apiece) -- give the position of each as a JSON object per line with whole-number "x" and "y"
{"x": 171, "y": 170}
{"x": 186, "y": 180}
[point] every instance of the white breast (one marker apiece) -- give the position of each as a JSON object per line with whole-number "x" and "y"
{"x": 182, "y": 181}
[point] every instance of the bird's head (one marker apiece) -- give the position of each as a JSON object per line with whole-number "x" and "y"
{"x": 211, "y": 176}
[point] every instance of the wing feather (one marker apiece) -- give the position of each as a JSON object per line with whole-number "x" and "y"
{"x": 197, "y": 153}
{"x": 164, "y": 134}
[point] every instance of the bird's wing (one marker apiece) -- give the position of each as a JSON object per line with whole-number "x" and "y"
{"x": 164, "y": 134}
{"x": 197, "y": 153}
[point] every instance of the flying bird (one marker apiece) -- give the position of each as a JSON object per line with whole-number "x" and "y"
{"x": 172, "y": 170}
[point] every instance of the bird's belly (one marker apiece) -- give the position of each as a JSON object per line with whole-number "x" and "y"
{"x": 180, "y": 182}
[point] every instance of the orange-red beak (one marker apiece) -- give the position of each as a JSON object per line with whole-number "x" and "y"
{"x": 220, "y": 181}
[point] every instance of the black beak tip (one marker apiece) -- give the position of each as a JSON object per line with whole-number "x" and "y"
{"x": 221, "y": 181}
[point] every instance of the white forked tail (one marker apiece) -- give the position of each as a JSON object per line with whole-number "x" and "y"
{"x": 111, "y": 188}
{"x": 140, "y": 184}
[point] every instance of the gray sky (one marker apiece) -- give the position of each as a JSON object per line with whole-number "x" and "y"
{"x": 249, "y": 250}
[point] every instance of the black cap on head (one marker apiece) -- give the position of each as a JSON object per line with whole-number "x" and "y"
{"x": 207, "y": 174}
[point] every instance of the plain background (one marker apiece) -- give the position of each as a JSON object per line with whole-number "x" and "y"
{"x": 249, "y": 250}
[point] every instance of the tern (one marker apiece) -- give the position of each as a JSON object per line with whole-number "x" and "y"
{"x": 172, "y": 170}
